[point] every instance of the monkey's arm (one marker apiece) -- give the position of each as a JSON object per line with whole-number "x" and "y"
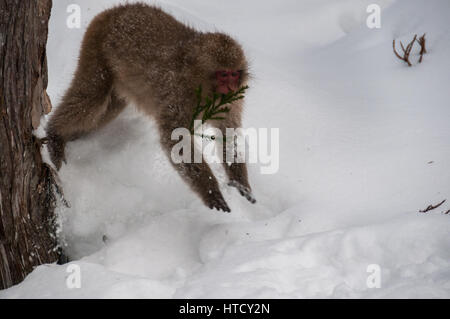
{"x": 201, "y": 179}
{"x": 236, "y": 172}
{"x": 238, "y": 177}
{"x": 198, "y": 175}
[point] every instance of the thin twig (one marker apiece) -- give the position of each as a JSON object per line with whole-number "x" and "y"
{"x": 431, "y": 207}
{"x": 423, "y": 48}
{"x": 406, "y": 51}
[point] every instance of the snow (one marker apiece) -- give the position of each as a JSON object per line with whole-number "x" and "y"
{"x": 363, "y": 147}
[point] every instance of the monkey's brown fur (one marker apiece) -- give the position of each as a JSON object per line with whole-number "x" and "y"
{"x": 137, "y": 53}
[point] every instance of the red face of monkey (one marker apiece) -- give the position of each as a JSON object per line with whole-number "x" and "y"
{"x": 227, "y": 81}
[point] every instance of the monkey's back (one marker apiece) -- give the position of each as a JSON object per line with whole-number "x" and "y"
{"x": 139, "y": 31}
{"x": 137, "y": 44}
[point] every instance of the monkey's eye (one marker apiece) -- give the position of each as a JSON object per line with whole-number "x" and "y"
{"x": 234, "y": 74}
{"x": 224, "y": 74}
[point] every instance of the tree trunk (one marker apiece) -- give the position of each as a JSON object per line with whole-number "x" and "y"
{"x": 27, "y": 202}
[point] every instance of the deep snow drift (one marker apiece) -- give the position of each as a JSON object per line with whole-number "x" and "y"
{"x": 364, "y": 145}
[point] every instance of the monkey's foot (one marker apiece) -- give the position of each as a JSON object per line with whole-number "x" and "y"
{"x": 243, "y": 190}
{"x": 55, "y": 146}
{"x": 216, "y": 200}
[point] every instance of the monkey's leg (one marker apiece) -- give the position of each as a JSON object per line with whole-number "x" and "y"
{"x": 82, "y": 107}
{"x": 238, "y": 177}
{"x": 236, "y": 172}
{"x": 115, "y": 107}
{"x": 198, "y": 175}
{"x": 201, "y": 179}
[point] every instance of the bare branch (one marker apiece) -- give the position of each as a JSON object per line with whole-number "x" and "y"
{"x": 398, "y": 55}
{"x": 406, "y": 51}
{"x": 431, "y": 207}
{"x": 423, "y": 48}
{"x": 403, "y": 48}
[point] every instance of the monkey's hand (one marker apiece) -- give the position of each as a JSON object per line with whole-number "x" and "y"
{"x": 55, "y": 146}
{"x": 243, "y": 190}
{"x": 215, "y": 200}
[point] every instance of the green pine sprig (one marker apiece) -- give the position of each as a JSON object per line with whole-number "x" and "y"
{"x": 214, "y": 108}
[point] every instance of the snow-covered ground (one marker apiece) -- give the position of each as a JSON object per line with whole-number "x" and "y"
{"x": 364, "y": 145}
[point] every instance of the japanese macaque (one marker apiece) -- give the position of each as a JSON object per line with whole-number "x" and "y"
{"x": 138, "y": 53}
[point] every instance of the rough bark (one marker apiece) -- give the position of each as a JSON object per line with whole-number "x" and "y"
{"x": 27, "y": 236}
